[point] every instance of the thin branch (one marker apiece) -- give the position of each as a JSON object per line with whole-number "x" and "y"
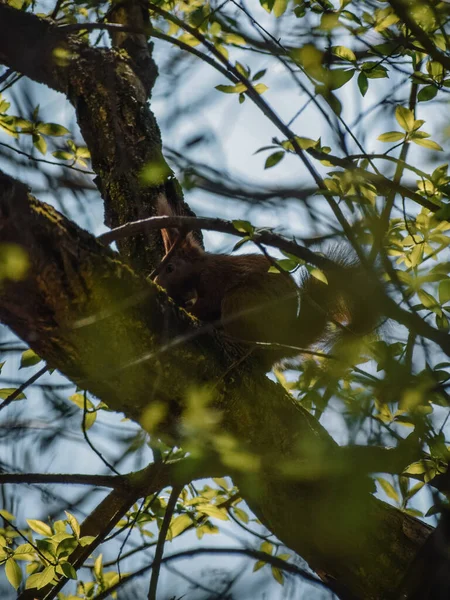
{"x": 255, "y": 554}
{"x": 109, "y": 481}
{"x": 23, "y": 387}
{"x": 262, "y": 236}
{"x": 176, "y": 491}
{"x": 47, "y": 162}
{"x": 88, "y": 441}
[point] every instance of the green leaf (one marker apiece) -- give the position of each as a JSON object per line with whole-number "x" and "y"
{"x": 86, "y": 540}
{"x": 29, "y": 359}
{"x": 240, "y": 514}
{"x": 241, "y": 242}
{"x": 427, "y": 93}
{"x": 213, "y": 511}
{"x": 39, "y": 527}
{"x": 259, "y": 75}
{"x": 267, "y": 5}
{"x": 319, "y": 275}
{"x": 52, "y": 129}
{"x": 442, "y": 322}
{"x": 378, "y": 72}
{"x": 339, "y": 77}
{"x": 7, "y": 515}
{"x": 242, "y": 70}
{"x": 279, "y": 7}
{"x": 259, "y": 565}
{"x": 388, "y": 489}
{"x": 260, "y": 88}
{"x": 391, "y": 136}
{"x": 45, "y": 577}
{"x": 266, "y": 547}
{"x": 13, "y": 573}
{"x": 427, "y": 144}
{"x": 444, "y": 291}
{"x": 73, "y": 523}
{"x": 277, "y": 575}
{"x": 178, "y": 525}
{"x": 5, "y": 392}
{"x": 427, "y": 300}
{"x": 274, "y": 159}
{"x": 24, "y": 552}
{"x": 405, "y": 118}
{"x": 67, "y": 570}
{"x": 363, "y": 84}
{"x": 63, "y": 155}
{"x": 344, "y": 53}
{"x": 243, "y": 226}
{"x": 39, "y": 143}
{"x": 221, "y": 481}
{"x": 231, "y": 89}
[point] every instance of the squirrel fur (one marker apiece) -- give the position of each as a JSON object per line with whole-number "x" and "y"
{"x": 251, "y": 304}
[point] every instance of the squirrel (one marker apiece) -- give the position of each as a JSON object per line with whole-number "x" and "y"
{"x": 251, "y": 304}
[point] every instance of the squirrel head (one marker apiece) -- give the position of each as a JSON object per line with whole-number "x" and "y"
{"x": 179, "y": 272}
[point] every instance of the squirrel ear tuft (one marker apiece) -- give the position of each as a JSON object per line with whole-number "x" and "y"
{"x": 170, "y": 236}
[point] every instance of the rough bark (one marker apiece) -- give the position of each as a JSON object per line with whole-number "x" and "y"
{"x": 108, "y": 329}
{"x": 105, "y": 327}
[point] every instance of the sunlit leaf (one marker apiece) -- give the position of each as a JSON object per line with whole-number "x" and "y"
{"x": 13, "y": 573}
{"x": 29, "y": 358}
{"x": 405, "y": 118}
{"x": 391, "y": 136}
{"x": 39, "y": 527}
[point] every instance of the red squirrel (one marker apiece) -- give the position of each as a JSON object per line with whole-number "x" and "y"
{"x": 238, "y": 293}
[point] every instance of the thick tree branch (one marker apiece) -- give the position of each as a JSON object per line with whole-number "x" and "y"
{"x": 92, "y": 318}
{"x": 109, "y": 91}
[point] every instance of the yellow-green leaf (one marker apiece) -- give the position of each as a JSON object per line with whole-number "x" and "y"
{"x": 13, "y": 573}
{"x": 266, "y": 547}
{"x": 405, "y": 118}
{"x": 279, "y": 7}
{"x": 52, "y": 129}
{"x": 274, "y": 159}
{"x": 5, "y": 392}
{"x": 213, "y": 511}
{"x": 344, "y": 53}
{"x": 320, "y": 275}
{"x": 39, "y": 527}
{"x": 178, "y": 525}
{"x": 29, "y": 358}
{"x": 388, "y": 489}
{"x": 73, "y": 523}
{"x": 444, "y": 291}
{"x": 277, "y": 575}
{"x": 391, "y": 136}
{"x": 428, "y": 144}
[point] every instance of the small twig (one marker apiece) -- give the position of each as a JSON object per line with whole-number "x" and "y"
{"x": 255, "y": 554}
{"x": 23, "y": 387}
{"x": 156, "y": 567}
{"x": 110, "y": 481}
{"x": 47, "y": 162}
{"x": 262, "y": 236}
{"x": 90, "y": 444}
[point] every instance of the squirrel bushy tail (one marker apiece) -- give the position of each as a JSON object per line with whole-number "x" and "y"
{"x": 252, "y": 304}
{"x": 341, "y": 310}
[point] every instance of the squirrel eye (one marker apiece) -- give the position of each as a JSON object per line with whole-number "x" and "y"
{"x": 170, "y": 268}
